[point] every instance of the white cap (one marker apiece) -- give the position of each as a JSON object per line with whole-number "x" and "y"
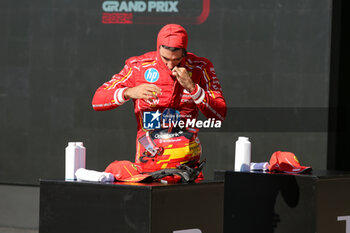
{"x": 71, "y": 143}
{"x": 79, "y": 144}
{"x": 243, "y": 138}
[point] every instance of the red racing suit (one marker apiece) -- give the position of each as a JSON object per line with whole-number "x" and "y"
{"x": 207, "y": 96}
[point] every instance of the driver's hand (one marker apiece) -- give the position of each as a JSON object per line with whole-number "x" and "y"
{"x": 143, "y": 91}
{"x": 183, "y": 78}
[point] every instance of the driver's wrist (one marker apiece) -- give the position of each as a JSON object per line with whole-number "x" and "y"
{"x": 119, "y": 96}
{"x": 191, "y": 88}
{"x": 126, "y": 93}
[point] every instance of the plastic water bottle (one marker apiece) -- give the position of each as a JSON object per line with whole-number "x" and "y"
{"x": 242, "y": 154}
{"x": 82, "y": 155}
{"x": 72, "y": 160}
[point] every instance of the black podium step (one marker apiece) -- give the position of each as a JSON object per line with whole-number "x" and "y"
{"x": 73, "y": 207}
{"x": 284, "y": 203}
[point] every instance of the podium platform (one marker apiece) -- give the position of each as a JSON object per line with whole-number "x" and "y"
{"x": 73, "y": 207}
{"x": 284, "y": 203}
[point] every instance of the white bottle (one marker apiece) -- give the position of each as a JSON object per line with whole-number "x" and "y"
{"x": 242, "y": 154}
{"x": 82, "y": 155}
{"x": 72, "y": 160}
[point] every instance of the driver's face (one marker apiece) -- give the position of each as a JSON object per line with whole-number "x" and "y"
{"x": 171, "y": 58}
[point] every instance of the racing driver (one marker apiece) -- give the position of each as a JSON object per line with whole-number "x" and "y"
{"x": 169, "y": 78}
